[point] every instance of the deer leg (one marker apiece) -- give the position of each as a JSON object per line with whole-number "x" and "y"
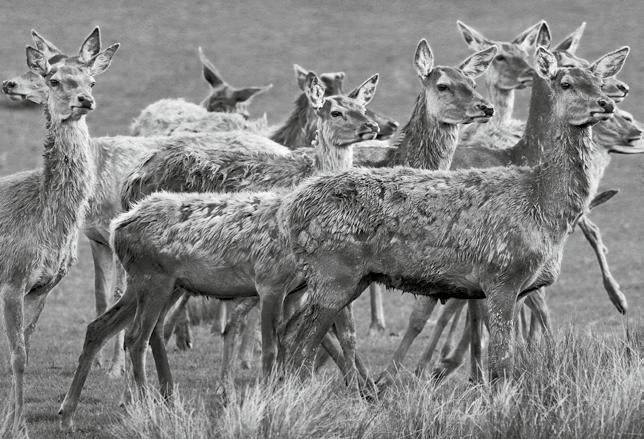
{"x": 476, "y": 338}
{"x": 159, "y": 352}
{"x": 177, "y": 322}
{"x": 377, "y": 326}
{"x": 117, "y": 365}
{"x": 271, "y": 313}
{"x": 249, "y": 339}
{"x": 423, "y": 308}
{"x": 12, "y": 299}
{"x": 540, "y": 313}
{"x": 220, "y": 320}
{"x": 452, "y": 362}
{"x": 502, "y": 304}
{"x": 345, "y": 331}
{"x": 242, "y": 307}
{"x": 450, "y": 340}
{"x": 450, "y": 311}
{"x": 594, "y": 237}
{"x": 103, "y": 272}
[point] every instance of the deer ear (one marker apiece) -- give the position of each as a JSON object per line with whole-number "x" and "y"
{"x": 528, "y": 38}
{"x": 476, "y": 64}
{"x": 545, "y": 63}
{"x": 472, "y": 37}
{"x": 91, "y": 46}
{"x": 610, "y": 64}
{"x": 423, "y": 59}
{"x": 37, "y": 62}
{"x": 45, "y": 46}
{"x": 570, "y": 44}
{"x": 300, "y": 76}
{"x": 210, "y": 72}
{"x": 102, "y": 61}
{"x": 314, "y": 91}
{"x": 544, "y": 36}
{"x": 365, "y": 92}
{"x": 244, "y": 94}
{"x": 602, "y": 198}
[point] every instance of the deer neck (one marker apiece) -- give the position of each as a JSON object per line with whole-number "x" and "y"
{"x": 503, "y": 101}
{"x": 425, "y": 142}
{"x": 537, "y": 136}
{"x": 68, "y": 175}
{"x": 299, "y": 128}
{"x": 568, "y": 177}
{"x": 330, "y": 157}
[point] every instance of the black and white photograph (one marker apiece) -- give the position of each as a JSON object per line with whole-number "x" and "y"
{"x": 363, "y": 219}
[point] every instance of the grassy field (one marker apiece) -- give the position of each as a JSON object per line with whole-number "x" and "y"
{"x": 254, "y": 43}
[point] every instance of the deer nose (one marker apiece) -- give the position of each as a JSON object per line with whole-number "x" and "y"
{"x": 488, "y": 110}
{"x": 608, "y": 106}
{"x": 393, "y": 125}
{"x": 623, "y": 88}
{"x": 86, "y": 101}
{"x": 7, "y": 84}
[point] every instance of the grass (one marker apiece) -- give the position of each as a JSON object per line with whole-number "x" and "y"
{"x": 254, "y": 42}
{"x": 581, "y": 385}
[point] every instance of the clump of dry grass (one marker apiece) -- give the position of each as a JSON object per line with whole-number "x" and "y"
{"x": 579, "y": 385}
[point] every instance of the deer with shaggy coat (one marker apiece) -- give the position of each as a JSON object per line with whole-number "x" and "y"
{"x": 497, "y": 233}
{"x": 42, "y": 210}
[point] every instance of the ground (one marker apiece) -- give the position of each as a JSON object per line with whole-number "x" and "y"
{"x": 255, "y": 43}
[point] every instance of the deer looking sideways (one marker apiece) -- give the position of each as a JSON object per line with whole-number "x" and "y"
{"x": 42, "y": 210}
{"x": 497, "y": 233}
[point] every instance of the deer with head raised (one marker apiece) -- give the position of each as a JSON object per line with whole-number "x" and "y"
{"x": 497, "y": 233}
{"x": 42, "y": 210}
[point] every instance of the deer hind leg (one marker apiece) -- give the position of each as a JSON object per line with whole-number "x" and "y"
{"x": 377, "y": 326}
{"x": 117, "y": 364}
{"x": 450, "y": 341}
{"x": 220, "y": 320}
{"x": 453, "y": 361}
{"x": 450, "y": 311}
{"x": 108, "y": 324}
{"x": 178, "y": 322}
{"x": 12, "y": 297}
{"x": 103, "y": 272}
{"x": 422, "y": 310}
{"x": 241, "y": 308}
{"x": 476, "y": 339}
{"x": 249, "y": 339}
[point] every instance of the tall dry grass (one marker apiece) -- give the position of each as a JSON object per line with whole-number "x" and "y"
{"x": 578, "y": 386}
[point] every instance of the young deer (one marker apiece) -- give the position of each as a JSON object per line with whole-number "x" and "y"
{"x": 497, "y": 233}
{"x": 224, "y": 245}
{"x": 42, "y": 210}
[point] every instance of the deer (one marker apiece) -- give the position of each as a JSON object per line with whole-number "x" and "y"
{"x": 497, "y": 233}
{"x": 249, "y": 260}
{"x": 509, "y": 71}
{"x": 42, "y": 210}
{"x": 427, "y": 140}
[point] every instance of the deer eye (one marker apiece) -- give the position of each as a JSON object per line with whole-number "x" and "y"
{"x": 628, "y": 118}
{"x": 500, "y": 58}
{"x": 54, "y": 82}
{"x": 442, "y": 87}
{"x": 336, "y": 114}
{"x": 92, "y": 84}
{"x": 566, "y": 85}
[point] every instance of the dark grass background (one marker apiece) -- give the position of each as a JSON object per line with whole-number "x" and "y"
{"x": 254, "y": 43}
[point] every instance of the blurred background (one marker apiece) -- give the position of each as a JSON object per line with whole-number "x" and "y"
{"x": 256, "y": 43}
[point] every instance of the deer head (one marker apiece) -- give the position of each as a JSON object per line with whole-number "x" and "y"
{"x": 578, "y": 96}
{"x": 621, "y": 134}
{"x": 342, "y": 120}
{"x": 510, "y": 68}
{"x": 27, "y": 87}
{"x": 69, "y": 80}
{"x": 224, "y": 97}
{"x": 449, "y": 91}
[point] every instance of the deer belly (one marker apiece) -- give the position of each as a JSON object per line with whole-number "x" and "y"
{"x": 224, "y": 282}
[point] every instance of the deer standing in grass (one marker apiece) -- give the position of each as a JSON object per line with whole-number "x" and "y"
{"x": 223, "y": 245}
{"x": 497, "y": 233}
{"x": 42, "y": 210}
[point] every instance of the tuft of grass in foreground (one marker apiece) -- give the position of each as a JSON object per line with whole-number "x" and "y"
{"x": 578, "y": 386}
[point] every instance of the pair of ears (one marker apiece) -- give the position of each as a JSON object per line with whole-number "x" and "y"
{"x": 473, "y": 66}
{"x": 314, "y": 90}
{"x": 89, "y": 54}
{"x": 534, "y": 36}
{"x": 606, "y": 66}
{"x": 216, "y": 81}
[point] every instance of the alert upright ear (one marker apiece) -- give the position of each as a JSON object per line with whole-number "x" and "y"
{"x": 472, "y": 37}
{"x": 102, "y": 61}
{"x": 423, "y": 59}
{"x": 476, "y": 64}
{"x": 365, "y": 92}
{"x": 610, "y": 64}
{"x": 244, "y": 94}
{"x": 544, "y": 36}
{"x": 300, "y": 76}
{"x": 91, "y": 46}
{"x": 545, "y": 63}
{"x": 570, "y": 44}
{"x": 528, "y": 38}
{"x": 45, "y": 46}
{"x": 314, "y": 91}
{"x": 37, "y": 62}
{"x": 210, "y": 72}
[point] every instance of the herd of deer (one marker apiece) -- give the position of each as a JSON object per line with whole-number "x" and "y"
{"x": 303, "y": 217}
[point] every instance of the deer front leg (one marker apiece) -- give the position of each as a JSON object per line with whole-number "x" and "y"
{"x": 536, "y": 301}
{"x": 249, "y": 339}
{"x": 377, "y": 326}
{"x": 501, "y": 302}
{"x": 594, "y": 237}
{"x": 178, "y": 323}
{"x": 117, "y": 365}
